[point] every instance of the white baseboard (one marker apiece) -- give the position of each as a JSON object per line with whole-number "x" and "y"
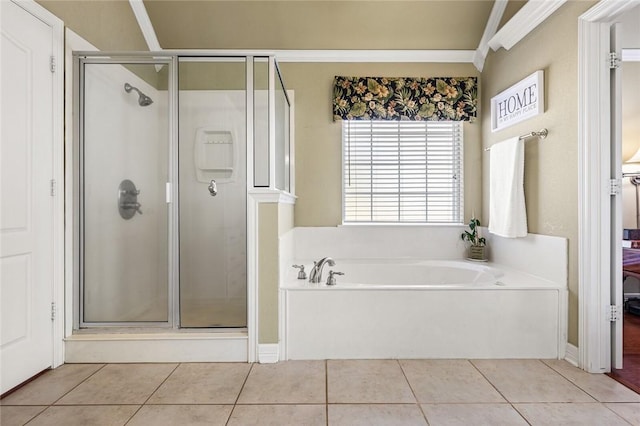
{"x": 571, "y": 354}
{"x": 268, "y": 353}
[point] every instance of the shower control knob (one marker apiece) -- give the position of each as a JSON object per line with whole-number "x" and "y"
{"x": 213, "y": 188}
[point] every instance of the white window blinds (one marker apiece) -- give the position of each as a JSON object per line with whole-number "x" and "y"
{"x": 402, "y": 171}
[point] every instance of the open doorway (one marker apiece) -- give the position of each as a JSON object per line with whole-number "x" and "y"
{"x": 629, "y": 374}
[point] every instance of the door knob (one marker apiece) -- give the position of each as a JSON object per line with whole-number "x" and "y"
{"x": 213, "y": 188}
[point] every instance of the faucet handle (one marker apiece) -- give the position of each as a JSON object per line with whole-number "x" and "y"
{"x": 331, "y": 280}
{"x": 302, "y": 275}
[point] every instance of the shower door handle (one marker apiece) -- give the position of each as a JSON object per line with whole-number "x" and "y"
{"x": 213, "y": 188}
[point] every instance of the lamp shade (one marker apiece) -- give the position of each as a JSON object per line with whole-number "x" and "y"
{"x": 635, "y": 158}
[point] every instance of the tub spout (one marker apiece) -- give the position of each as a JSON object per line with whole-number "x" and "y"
{"x": 315, "y": 276}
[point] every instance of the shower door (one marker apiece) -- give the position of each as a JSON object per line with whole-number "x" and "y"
{"x": 212, "y": 186}
{"x": 124, "y": 134}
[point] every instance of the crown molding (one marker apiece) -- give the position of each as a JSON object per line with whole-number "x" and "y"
{"x": 375, "y": 56}
{"x": 490, "y": 29}
{"x": 608, "y": 10}
{"x": 532, "y": 14}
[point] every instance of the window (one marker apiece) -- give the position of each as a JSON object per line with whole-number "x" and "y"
{"x": 402, "y": 171}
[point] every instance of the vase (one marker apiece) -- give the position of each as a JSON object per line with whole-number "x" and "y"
{"x": 476, "y": 252}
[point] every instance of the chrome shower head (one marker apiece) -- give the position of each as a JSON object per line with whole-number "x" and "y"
{"x": 143, "y": 100}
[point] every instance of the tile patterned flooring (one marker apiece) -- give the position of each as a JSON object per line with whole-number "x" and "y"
{"x": 349, "y": 392}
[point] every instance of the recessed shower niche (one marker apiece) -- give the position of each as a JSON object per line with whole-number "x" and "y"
{"x": 159, "y": 131}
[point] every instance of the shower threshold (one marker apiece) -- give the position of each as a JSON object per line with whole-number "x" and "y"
{"x": 128, "y": 345}
{"x": 156, "y": 330}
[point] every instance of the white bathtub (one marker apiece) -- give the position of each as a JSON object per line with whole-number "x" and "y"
{"x": 383, "y": 273}
{"x": 422, "y": 309}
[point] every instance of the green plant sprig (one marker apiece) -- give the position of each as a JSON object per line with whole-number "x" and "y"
{"x": 472, "y": 234}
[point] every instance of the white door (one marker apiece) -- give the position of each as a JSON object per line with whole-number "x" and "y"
{"x": 26, "y": 209}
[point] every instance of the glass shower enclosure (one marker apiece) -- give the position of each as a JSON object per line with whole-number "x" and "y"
{"x": 169, "y": 147}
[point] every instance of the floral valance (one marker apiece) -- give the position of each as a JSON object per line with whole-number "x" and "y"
{"x": 392, "y": 98}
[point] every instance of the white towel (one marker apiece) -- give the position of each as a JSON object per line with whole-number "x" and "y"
{"x": 507, "y": 212}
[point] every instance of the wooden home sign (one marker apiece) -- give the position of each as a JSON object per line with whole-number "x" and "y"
{"x": 519, "y": 102}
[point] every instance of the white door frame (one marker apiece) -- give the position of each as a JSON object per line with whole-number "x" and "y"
{"x": 594, "y": 153}
{"x": 57, "y": 108}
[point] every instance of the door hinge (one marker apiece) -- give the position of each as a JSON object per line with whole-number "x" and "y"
{"x": 615, "y": 186}
{"x": 52, "y": 187}
{"x": 52, "y": 63}
{"x": 614, "y": 61}
{"x": 613, "y": 313}
{"x": 53, "y": 311}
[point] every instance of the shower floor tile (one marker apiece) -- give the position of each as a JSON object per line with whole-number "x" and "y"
{"x": 334, "y": 392}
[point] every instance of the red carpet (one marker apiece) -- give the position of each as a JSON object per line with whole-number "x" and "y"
{"x": 629, "y": 375}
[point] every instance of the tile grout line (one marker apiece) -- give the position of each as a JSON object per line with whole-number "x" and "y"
{"x": 81, "y": 382}
{"x": 37, "y": 415}
{"x": 326, "y": 391}
{"x": 404, "y": 373}
{"x": 151, "y": 394}
{"x": 521, "y": 414}
{"x": 66, "y": 393}
{"x": 604, "y": 404}
{"x": 235, "y": 403}
{"x": 571, "y": 381}
{"x": 498, "y": 390}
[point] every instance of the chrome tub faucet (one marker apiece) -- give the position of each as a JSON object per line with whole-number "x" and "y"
{"x": 315, "y": 276}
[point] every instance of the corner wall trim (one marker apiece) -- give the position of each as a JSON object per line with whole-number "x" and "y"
{"x": 571, "y": 354}
{"x": 149, "y": 34}
{"x": 531, "y": 15}
{"x": 268, "y": 353}
{"x": 489, "y": 31}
